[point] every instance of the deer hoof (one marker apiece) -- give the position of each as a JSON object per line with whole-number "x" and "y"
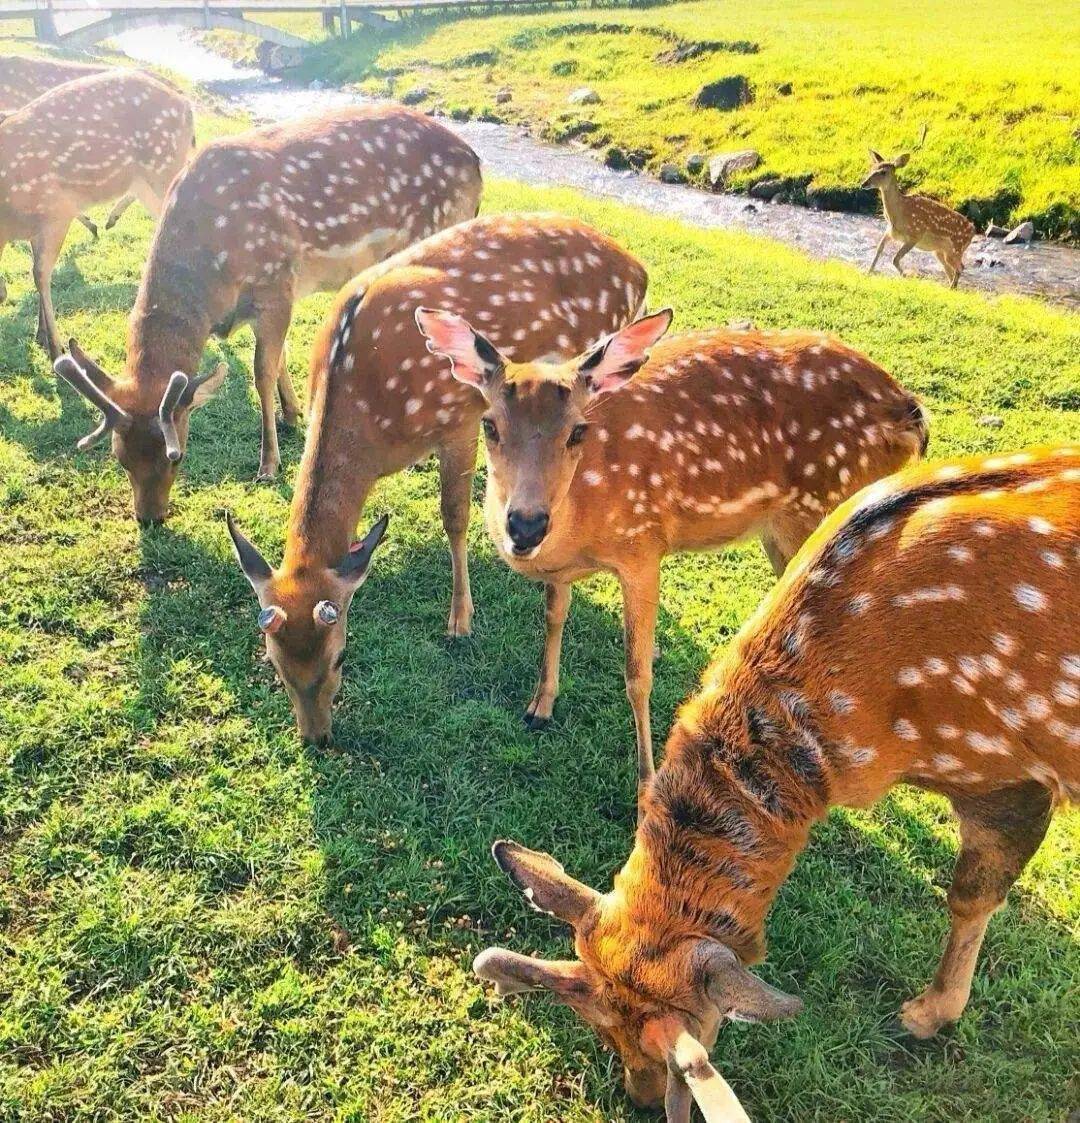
{"x": 923, "y": 1016}
{"x": 534, "y": 723}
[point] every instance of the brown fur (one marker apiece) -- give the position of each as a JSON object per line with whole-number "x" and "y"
{"x": 380, "y": 402}
{"x": 258, "y": 220}
{"x": 23, "y": 78}
{"x": 960, "y": 579}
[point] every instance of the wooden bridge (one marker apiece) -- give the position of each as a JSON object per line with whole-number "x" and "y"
{"x": 82, "y": 23}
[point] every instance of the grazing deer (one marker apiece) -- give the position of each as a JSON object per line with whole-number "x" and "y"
{"x": 928, "y": 634}
{"x": 917, "y": 222}
{"x": 257, "y": 221}
{"x": 715, "y": 436}
{"x": 83, "y": 143}
{"x": 379, "y": 402}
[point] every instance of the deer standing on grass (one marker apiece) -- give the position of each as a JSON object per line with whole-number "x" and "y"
{"x": 24, "y": 78}
{"x": 257, "y": 221}
{"x": 917, "y": 222}
{"x": 928, "y": 634}
{"x": 611, "y": 460}
{"x": 86, "y": 142}
{"x": 379, "y": 402}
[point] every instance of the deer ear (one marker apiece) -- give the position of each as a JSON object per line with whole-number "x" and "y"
{"x": 354, "y": 566}
{"x": 876, "y": 156}
{"x": 96, "y": 375}
{"x": 256, "y": 569}
{"x": 546, "y": 885}
{"x": 473, "y": 359}
{"x": 738, "y": 993}
{"x": 901, "y": 160}
{"x": 203, "y": 389}
{"x": 620, "y": 356}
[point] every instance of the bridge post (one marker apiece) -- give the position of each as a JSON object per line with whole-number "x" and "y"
{"x": 344, "y": 17}
{"x": 45, "y": 24}
{"x": 206, "y": 14}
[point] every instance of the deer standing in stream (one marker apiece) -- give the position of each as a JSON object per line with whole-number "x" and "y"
{"x": 917, "y": 222}
{"x": 379, "y": 402}
{"x": 86, "y": 142}
{"x": 928, "y": 634}
{"x": 637, "y": 448}
{"x": 257, "y": 221}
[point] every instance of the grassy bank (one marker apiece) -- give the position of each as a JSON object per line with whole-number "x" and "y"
{"x": 998, "y": 86}
{"x": 201, "y": 919}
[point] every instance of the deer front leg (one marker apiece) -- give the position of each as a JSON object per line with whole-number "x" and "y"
{"x": 271, "y": 324}
{"x": 290, "y": 404}
{"x": 539, "y": 710}
{"x": 877, "y": 255}
{"x": 3, "y": 281}
{"x": 457, "y": 462}
{"x": 901, "y": 253}
{"x": 46, "y": 249}
{"x": 641, "y": 596}
{"x": 90, "y": 225}
{"x": 999, "y": 833}
{"x": 118, "y": 209}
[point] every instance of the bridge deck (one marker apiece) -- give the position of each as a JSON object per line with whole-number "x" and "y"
{"x": 26, "y": 9}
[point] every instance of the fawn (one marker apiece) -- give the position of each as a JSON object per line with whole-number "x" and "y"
{"x": 714, "y": 436}
{"x": 86, "y": 142}
{"x": 917, "y": 222}
{"x": 379, "y": 402}
{"x": 928, "y": 634}
{"x": 257, "y": 221}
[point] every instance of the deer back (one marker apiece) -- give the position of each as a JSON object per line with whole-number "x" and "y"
{"x": 23, "y": 78}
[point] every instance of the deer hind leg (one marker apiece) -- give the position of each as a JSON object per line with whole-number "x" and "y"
{"x": 783, "y": 537}
{"x": 457, "y": 462}
{"x": 999, "y": 833}
{"x": 901, "y": 253}
{"x": 3, "y": 281}
{"x": 539, "y": 710}
{"x": 290, "y": 403}
{"x": 271, "y": 325}
{"x": 46, "y": 249}
{"x": 118, "y": 209}
{"x": 90, "y": 225}
{"x": 641, "y": 596}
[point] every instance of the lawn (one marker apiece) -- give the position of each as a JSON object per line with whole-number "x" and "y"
{"x": 202, "y": 919}
{"x": 998, "y": 84}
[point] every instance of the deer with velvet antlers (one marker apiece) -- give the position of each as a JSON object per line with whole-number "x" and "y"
{"x": 380, "y": 401}
{"x": 928, "y": 634}
{"x": 638, "y": 448}
{"x": 86, "y": 142}
{"x": 257, "y": 221}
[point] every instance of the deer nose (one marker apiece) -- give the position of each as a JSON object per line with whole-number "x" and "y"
{"x": 526, "y": 530}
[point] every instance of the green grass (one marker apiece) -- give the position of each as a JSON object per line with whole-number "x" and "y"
{"x": 202, "y": 919}
{"x": 997, "y": 83}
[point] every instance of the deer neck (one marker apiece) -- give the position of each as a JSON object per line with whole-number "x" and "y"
{"x": 892, "y": 198}
{"x": 726, "y": 817}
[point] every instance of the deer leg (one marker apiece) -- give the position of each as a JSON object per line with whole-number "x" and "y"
{"x": 641, "y": 597}
{"x": 3, "y": 281}
{"x": 90, "y": 225}
{"x": 901, "y": 253}
{"x": 457, "y": 462}
{"x": 999, "y": 833}
{"x": 271, "y": 324}
{"x": 557, "y": 605}
{"x": 290, "y": 404}
{"x": 46, "y": 249}
{"x": 118, "y": 209}
{"x": 877, "y": 255}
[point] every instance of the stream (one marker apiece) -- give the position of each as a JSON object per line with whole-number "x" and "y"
{"x": 1048, "y": 270}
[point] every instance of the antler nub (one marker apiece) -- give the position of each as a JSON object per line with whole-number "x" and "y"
{"x": 690, "y": 1061}
{"x": 271, "y": 618}
{"x": 178, "y": 384}
{"x": 326, "y": 613}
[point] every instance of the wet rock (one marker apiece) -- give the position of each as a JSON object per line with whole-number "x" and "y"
{"x": 616, "y": 157}
{"x": 785, "y": 89}
{"x": 1025, "y": 232}
{"x": 749, "y": 208}
{"x": 725, "y": 164}
{"x": 503, "y": 95}
{"x": 695, "y": 164}
{"x": 725, "y": 93}
{"x": 765, "y": 189}
{"x": 989, "y": 262}
{"x": 672, "y": 173}
{"x": 584, "y": 95}
{"x": 995, "y": 231}
{"x": 416, "y": 95}
{"x": 991, "y": 421}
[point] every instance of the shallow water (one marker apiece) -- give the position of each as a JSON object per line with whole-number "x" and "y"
{"x": 1045, "y": 269}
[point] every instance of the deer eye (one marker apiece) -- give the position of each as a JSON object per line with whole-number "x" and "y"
{"x": 490, "y": 431}
{"x": 577, "y": 435}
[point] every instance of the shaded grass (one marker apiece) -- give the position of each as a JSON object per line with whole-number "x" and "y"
{"x": 996, "y": 83}
{"x": 199, "y": 918}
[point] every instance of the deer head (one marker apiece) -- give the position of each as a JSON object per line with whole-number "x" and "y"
{"x": 657, "y": 1002}
{"x": 150, "y": 446}
{"x": 883, "y": 171}
{"x": 537, "y": 421}
{"x": 302, "y": 614}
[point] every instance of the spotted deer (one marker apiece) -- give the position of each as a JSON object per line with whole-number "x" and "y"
{"x": 638, "y": 448}
{"x": 380, "y": 401}
{"x": 927, "y": 634}
{"x": 257, "y": 221}
{"x": 917, "y": 222}
{"x": 86, "y": 142}
{"x": 24, "y": 77}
